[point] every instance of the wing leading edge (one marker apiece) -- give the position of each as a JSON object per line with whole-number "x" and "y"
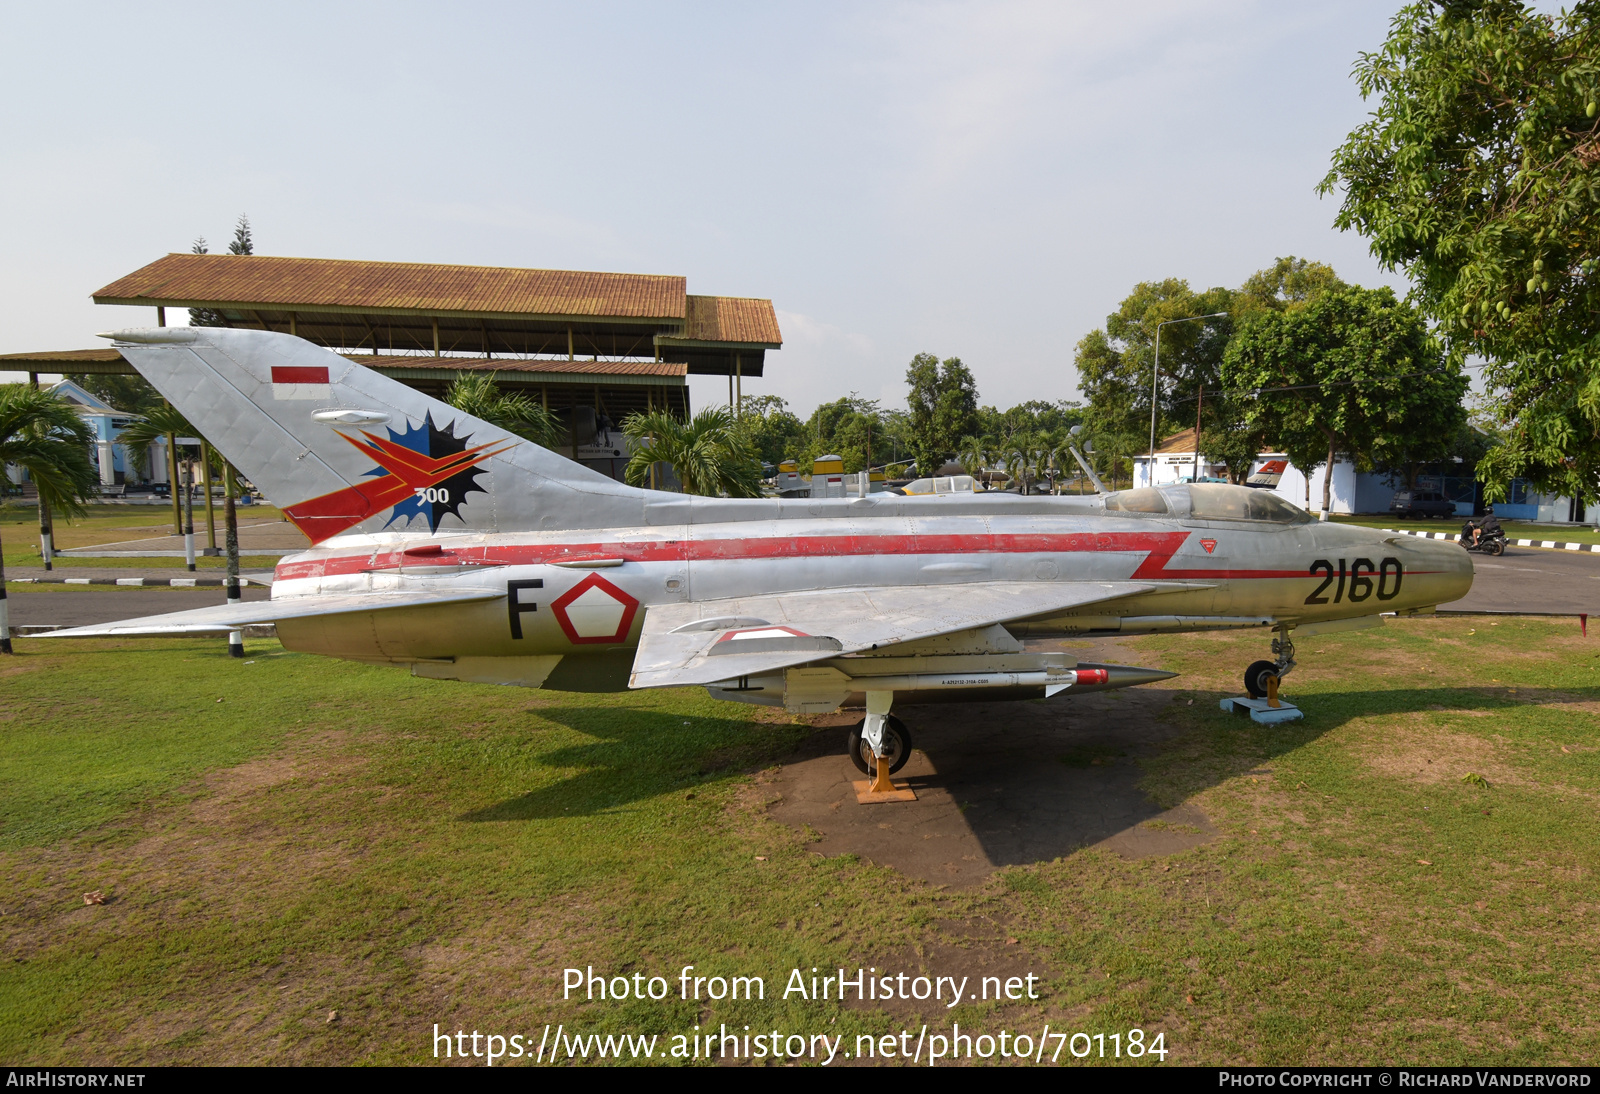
{"x": 711, "y": 640}
{"x": 228, "y": 617}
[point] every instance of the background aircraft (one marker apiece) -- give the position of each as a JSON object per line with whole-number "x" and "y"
{"x": 450, "y": 546}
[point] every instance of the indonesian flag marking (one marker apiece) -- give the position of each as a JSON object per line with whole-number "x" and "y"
{"x": 300, "y": 382}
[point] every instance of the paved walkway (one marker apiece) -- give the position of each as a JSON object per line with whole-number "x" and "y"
{"x": 256, "y": 537}
{"x": 78, "y": 607}
{"x": 75, "y": 574}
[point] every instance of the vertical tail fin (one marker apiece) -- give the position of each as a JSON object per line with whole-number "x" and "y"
{"x": 341, "y": 448}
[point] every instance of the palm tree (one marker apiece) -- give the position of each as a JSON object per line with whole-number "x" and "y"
{"x": 476, "y": 394}
{"x": 1017, "y": 467}
{"x": 164, "y": 422}
{"x": 1057, "y": 460}
{"x": 975, "y": 456}
{"x": 709, "y": 454}
{"x": 41, "y": 433}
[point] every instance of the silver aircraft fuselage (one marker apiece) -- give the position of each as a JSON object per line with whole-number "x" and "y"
{"x": 445, "y": 543}
{"x": 581, "y": 594}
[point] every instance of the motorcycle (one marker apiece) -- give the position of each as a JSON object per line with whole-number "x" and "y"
{"x": 1491, "y": 542}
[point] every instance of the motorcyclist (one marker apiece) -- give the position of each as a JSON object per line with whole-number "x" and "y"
{"x": 1487, "y": 525}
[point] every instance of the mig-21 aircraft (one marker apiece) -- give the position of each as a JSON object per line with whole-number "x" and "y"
{"x": 464, "y": 552}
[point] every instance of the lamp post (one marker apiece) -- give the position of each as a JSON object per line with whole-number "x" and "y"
{"x": 1155, "y": 372}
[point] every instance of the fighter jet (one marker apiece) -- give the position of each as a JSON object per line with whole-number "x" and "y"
{"x": 448, "y": 546}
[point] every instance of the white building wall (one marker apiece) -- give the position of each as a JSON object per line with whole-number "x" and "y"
{"x": 1173, "y": 467}
{"x": 1292, "y": 487}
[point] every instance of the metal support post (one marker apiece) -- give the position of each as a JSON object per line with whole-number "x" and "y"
{"x": 188, "y": 516}
{"x": 205, "y": 478}
{"x": 172, "y": 484}
{"x": 230, "y": 521}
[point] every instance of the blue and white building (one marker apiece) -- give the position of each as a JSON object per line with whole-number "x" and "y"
{"x": 1352, "y": 491}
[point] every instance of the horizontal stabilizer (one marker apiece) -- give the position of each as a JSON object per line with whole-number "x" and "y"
{"x": 704, "y": 642}
{"x": 230, "y": 617}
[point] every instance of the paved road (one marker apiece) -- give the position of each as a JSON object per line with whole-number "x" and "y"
{"x": 79, "y": 606}
{"x": 1531, "y": 580}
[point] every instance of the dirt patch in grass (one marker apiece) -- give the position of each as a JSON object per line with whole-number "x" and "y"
{"x": 1426, "y": 754}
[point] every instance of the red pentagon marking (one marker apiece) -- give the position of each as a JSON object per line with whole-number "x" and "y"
{"x": 595, "y": 611}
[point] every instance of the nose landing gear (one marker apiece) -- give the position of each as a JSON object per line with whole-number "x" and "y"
{"x": 1258, "y": 678}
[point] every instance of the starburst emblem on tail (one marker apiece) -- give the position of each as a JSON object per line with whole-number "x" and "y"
{"x": 424, "y": 472}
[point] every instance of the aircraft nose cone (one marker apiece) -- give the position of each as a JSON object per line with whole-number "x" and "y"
{"x": 1442, "y": 570}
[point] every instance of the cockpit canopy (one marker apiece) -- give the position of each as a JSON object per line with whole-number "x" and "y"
{"x": 1207, "y": 501}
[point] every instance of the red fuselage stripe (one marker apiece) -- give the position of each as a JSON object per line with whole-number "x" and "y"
{"x": 1158, "y": 547}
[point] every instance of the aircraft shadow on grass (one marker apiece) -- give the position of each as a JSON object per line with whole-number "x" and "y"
{"x": 635, "y": 756}
{"x": 1030, "y": 782}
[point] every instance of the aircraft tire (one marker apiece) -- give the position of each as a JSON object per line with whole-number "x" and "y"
{"x": 1255, "y": 678}
{"x": 899, "y": 745}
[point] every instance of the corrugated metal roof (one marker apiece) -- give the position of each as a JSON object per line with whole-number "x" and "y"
{"x": 543, "y": 364}
{"x": 731, "y": 319}
{"x": 1178, "y": 442}
{"x": 245, "y": 281}
{"x": 59, "y": 357}
{"x": 65, "y": 360}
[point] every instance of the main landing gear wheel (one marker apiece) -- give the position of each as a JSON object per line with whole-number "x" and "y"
{"x": 1255, "y": 678}
{"x": 896, "y": 745}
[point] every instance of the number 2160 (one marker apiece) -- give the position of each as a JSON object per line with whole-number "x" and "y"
{"x": 1361, "y": 580}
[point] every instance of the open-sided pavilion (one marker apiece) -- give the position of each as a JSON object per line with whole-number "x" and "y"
{"x": 578, "y": 342}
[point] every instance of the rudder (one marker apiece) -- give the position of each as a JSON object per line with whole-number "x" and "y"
{"x": 341, "y": 448}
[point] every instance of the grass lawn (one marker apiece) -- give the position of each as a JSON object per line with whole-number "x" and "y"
{"x": 1514, "y": 529}
{"x": 1409, "y": 875}
{"x": 19, "y": 535}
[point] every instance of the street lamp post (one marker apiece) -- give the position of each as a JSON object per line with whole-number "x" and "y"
{"x": 1155, "y": 372}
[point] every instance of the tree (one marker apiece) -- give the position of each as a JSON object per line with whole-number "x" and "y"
{"x": 1230, "y": 437}
{"x": 1115, "y": 365}
{"x": 241, "y": 243}
{"x": 1355, "y": 371}
{"x": 132, "y": 394}
{"x": 204, "y": 317}
{"x": 1227, "y": 434}
{"x": 1288, "y": 284}
{"x": 477, "y": 394}
{"x": 944, "y": 409}
{"x": 842, "y": 428}
{"x": 164, "y": 422}
{"x": 976, "y": 454}
{"x": 40, "y": 432}
{"x": 772, "y": 430}
{"x": 1477, "y": 176}
{"x": 1402, "y": 462}
{"x": 709, "y": 453}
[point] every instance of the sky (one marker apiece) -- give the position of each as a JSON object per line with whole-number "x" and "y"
{"x": 984, "y": 180}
